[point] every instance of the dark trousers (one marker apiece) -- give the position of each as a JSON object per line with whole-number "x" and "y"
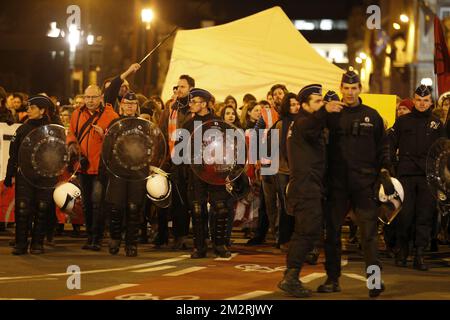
{"x": 285, "y": 222}
{"x": 307, "y": 232}
{"x": 179, "y": 209}
{"x": 358, "y": 195}
{"x": 31, "y": 204}
{"x": 263, "y": 220}
{"x": 416, "y": 216}
{"x": 92, "y": 196}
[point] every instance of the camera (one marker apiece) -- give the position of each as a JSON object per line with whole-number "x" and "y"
{"x": 84, "y": 163}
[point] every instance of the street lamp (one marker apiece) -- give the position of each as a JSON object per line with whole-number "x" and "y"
{"x": 396, "y": 26}
{"x": 147, "y": 17}
{"x": 404, "y": 18}
{"x": 74, "y": 37}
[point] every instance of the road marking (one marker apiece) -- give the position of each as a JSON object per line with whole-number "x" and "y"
{"x": 138, "y": 266}
{"x": 312, "y": 276}
{"x": 17, "y": 299}
{"x": 355, "y": 276}
{"x": 250, "y": 295}
{"x": 22, "y": 280}
{"x": 226, "y": 259}
{"x": 344, "y": 261}
{"x": 154, "y": 269}
{"x": 184, "y": 271}
{"x": 108, "y": 289}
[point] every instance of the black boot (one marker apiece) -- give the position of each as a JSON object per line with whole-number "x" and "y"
{"x": 222, "y": 251}
{"x": 373, "y": 293}
{"x": 132, "y": 229}
{"x": 256, "y": 241}
{"x": 402, "y": 256}
{"x": 96, "y": 244}
{"x": 292, "y": 285}
{"x": 76, "y": 231}
{"x": 220, "y": 230}
{"x": 88, "y": 244}
{"x": 21, "y": 238}
{"x": 131, "y": 250}
{"x": 200, "y": 247}
{"x": 40, "y": 227}
{"x": 329, "y": 286}
{"x": 37, "y": 247}
{"x": 114, "y": 246}
{"x": 434, "y": 247}
{"x": 419, "y": 262}
{"x": 313, "y": 256}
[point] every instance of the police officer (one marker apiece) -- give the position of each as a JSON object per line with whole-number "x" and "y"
{"x": 412, "y": 135}
{"x": 30, "y": 201}
{"x": 357, "y": 153}
{"x": 307, "y": 160}
{"x": 124, "y": 197}
{"x": 200, "y": 192}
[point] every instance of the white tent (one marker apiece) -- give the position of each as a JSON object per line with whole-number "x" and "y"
{"x": 249, "y": 55}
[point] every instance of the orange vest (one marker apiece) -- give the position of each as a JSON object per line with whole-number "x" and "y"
{"x": 172, "y": 129}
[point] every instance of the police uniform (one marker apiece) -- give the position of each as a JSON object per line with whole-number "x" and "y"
{"x": 124, "y": 198}
{"x": 200, "y": 192}
{"x": 412, "y": 135}
{"x": 31, "y": 202}
{"x": 358, "y": 149}
{"x": 307, "y": 160}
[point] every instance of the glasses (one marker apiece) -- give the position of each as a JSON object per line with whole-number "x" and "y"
{"x": 91, "y": 97}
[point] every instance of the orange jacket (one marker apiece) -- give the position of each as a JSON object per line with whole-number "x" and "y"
{"x": 91, "y": 146}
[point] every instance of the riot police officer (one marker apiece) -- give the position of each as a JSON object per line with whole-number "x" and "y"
{"x": 307, "y": 160}
{"x": 125, "y": 193}
{"x": 358, "y": 155}
{"x": 200, "y": 192}
{"x": 412, "y": 135}
{"x": 29, "y": 198}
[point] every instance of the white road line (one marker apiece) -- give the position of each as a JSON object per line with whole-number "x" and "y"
{"x": 138, "y": 266}
{"x": 250, "y": 295}
{"x": 157, "y": 263}
{"x": 344, "y": 261}
{"x": 355, "y": 276}
{"x": 22, "y": 280}
{"x": 108, "y": 289}
{"x": 312, "y": 276}
{"x": 17, "y": 299}
{"x": 184, "y": 271}
{"x": 154, "y": 269}
{"x": 226, "y": 259}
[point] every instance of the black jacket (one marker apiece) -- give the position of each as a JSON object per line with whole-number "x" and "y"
{"x": 16, "y": 141}
{"x": 306, "y": 155}
{"x": 358, "y": 144}
{"x": 412, "y": 135}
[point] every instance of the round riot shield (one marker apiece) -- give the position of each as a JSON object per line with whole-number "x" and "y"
{"x": 438, "y": 170}
{"x": 45, "y": 159}
{"x": 218, "y": 152}
{"x": 131, "y": 147}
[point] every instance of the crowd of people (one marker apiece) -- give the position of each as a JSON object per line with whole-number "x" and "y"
{"x": 333, "y": 155}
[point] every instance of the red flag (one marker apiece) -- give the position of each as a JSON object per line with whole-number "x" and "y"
{"x": 441, "y": 58}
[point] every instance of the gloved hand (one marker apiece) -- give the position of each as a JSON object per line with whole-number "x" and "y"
{"x": 385, "y": 179}
{"x": 8, "y": 182}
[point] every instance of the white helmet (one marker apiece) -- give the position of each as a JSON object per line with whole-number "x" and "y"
{"x": 159, "y": 188}
{"x": 65, "y": 195}
{"x": 391, "y": 204}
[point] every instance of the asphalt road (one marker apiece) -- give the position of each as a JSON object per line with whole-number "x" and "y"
{"x": 161, "y": 274}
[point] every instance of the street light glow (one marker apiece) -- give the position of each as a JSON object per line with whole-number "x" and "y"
{"x": 54, "y": 30}
{"x": 396, "y": 26}
{"x": 363, "y": 56}
{"x": 74, "y": 37}
{"x": 404, "y": 18}
{"x": 90, "y": 39}
{"x": 358, "y": 60}
{"x": 147, "y": 15}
